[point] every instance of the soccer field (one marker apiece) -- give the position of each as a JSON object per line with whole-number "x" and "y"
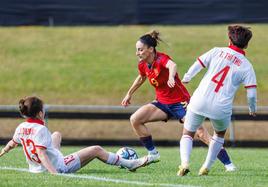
{"x": 252, "y": 164}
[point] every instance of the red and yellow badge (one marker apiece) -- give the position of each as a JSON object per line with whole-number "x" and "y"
{"x": 156, "y": 72}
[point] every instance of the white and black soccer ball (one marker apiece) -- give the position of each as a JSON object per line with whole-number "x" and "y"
{"x": 127, "y": 153}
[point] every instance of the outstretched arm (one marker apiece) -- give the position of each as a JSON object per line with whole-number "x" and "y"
{"x": 136, "y": 84}
{"x": 10, "y": 145}
{"x": 45, "y": 160}
{"x": 172, "y": 68}
{"x": 193, "y": 70}
{"x": 252, "y": 101}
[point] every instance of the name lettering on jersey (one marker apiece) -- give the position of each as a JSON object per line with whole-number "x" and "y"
{"x": 26, "y": 131}
{"x": 230, "y": 57}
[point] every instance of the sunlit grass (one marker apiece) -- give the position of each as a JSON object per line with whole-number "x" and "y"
{"x": 252, "y": 166}
{"x": 96, "y": 65}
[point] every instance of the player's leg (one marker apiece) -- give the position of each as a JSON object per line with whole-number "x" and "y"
{"x": 186, "y": 145}
{"x": 203, "y": 135}
{"x": 192, "y": 123}
{"x": 147, "y": 113}
{"x": 88, "y": 154}
{"x": 215, "y": 144}
{"x": 223, "y": 156}
{"x": 56, "y": 139}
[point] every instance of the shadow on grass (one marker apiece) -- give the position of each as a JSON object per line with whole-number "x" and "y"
{"x": 120, "y": 171}
{"x": 95, "y": 171}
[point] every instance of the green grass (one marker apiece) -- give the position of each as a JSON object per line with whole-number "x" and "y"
{"x": 96, "y": 65}
{"x": 252, "y": 164}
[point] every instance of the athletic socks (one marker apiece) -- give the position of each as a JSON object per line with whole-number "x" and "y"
{"x": 114, "y": 159}
{"x": 147, "y": 142}
{"x": 215, "y": 146}
{"x": 224, "y": 157}
{"x": 186, "y": 145}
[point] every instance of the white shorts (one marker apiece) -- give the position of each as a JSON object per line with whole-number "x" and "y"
{"x": 193, "y": 121}
{"x": 71, "y": 164}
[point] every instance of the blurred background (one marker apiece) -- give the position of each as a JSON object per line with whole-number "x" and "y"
{"x": 79, "y": 57}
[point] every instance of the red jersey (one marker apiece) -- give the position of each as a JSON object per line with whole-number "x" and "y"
{"x": 158, "y": 75}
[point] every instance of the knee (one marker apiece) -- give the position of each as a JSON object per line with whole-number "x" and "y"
{"x": 57, "y": 134}
{"x": 220, "y": 133}
{"x": 97, "y": 149}
{"x": 188, "y": 133}
{"x": 133, "y": 120}
{"x": 200, "y": 132}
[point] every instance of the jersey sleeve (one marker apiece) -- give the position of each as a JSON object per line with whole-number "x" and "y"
{"x": 164, "y": 60}
{"x": 141, "y": 69}
{"x": 193, "y": 70}
{"x": 42, "y": 139}
{"x": 16, "y": 138}
{"x": 206, "y": 58}
{"x": 249, "y": 79}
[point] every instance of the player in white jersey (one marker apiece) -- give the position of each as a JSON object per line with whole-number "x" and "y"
{"x": 227, "y": 68}
{"x": 42, "y": 150}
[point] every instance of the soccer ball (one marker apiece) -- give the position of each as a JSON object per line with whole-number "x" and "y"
{"x": 127, "y": 153}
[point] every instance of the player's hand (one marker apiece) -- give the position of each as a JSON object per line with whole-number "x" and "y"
{"x": 171, "y": 82}
{"x": 253, "y": 114}
{"x": 2, "y": 152}
{"x": 126, "y": 101}
{"x": 184, "y": 104}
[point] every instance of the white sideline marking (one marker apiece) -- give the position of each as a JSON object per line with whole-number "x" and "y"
{"x": 103, "y": 179}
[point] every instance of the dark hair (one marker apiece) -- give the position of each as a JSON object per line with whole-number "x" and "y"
{"x": 239, "y": 35}
{"x": 30, "y": 106}
{"x": 151, "y": 39}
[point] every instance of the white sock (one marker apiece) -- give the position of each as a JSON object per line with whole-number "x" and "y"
{"x": 153, "y": 152}
{"x": 186, "y": 145}
{"x": 215, "y": 146}
{"x": 114, "y": 159}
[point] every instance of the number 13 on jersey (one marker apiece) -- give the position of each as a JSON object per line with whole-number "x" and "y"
{"x": 220, "y": 77}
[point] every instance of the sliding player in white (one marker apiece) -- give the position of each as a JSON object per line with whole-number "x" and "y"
{"x": 42, "y": 150}
{"x": 227, "y": 68}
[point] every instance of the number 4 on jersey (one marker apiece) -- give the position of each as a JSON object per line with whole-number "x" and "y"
{"x": 220, "y": 75}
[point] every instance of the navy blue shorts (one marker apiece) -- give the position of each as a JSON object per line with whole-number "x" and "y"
{"x": 173, "y": 111}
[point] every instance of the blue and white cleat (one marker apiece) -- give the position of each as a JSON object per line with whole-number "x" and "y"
{"x": 153, "y": 158}
{"x": 230, "y": 167}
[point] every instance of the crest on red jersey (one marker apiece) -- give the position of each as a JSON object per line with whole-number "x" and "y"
{"x": 156, "y": 72}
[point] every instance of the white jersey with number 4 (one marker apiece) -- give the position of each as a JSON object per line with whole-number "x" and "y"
{"x": 227, "y": 68}
{"x": 33, "y": 134}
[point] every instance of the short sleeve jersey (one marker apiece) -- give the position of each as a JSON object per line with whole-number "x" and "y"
{"x": 227, "y": 68}
{"x": 31, "y": 135}
{"x": 158, "y": 75}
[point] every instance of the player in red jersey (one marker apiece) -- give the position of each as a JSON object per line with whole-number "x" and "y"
{"x": 171, "y": 96}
